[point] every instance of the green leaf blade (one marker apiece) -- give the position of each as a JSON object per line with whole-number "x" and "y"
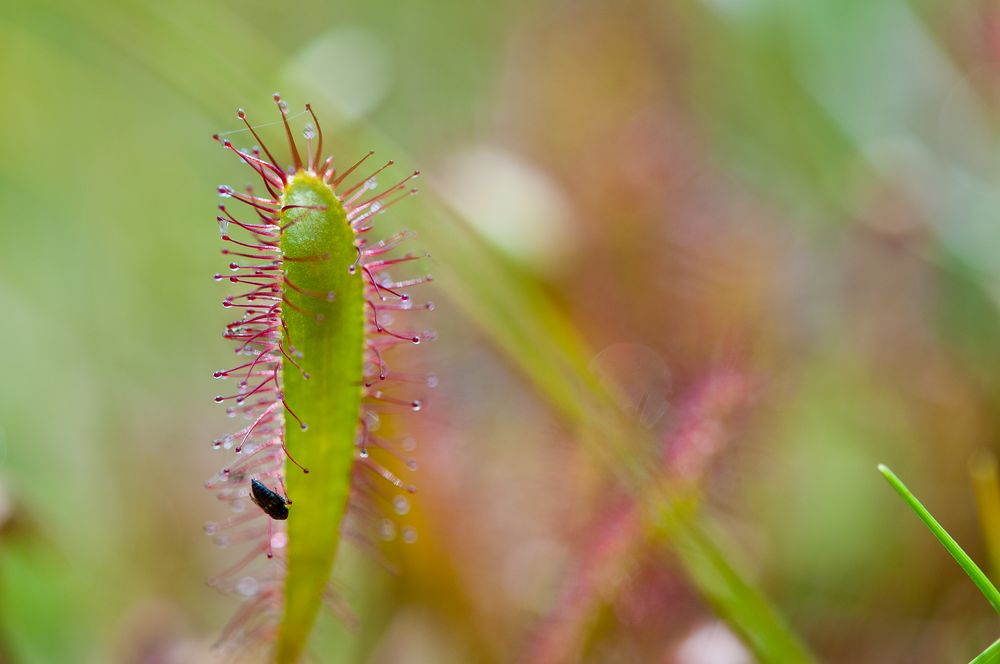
{"x": 961, "y": 557}
{"x": 329, "y": 334}
{"x": 989, "y": 656}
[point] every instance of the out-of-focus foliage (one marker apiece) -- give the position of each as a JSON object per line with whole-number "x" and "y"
{"x": 791, "y": 200}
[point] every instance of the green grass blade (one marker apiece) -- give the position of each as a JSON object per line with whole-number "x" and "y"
{"x": 961, "y": 557}
{"x": 989, "y": 656}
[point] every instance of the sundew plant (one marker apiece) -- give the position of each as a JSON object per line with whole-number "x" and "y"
{"x": 698, "y": 267}
{"x": 317, "y": 318}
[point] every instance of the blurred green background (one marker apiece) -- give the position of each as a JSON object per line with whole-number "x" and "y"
{"x": 769, "y": 225}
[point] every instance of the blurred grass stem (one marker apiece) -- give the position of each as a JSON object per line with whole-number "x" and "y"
{"x": 985, "y": 482}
